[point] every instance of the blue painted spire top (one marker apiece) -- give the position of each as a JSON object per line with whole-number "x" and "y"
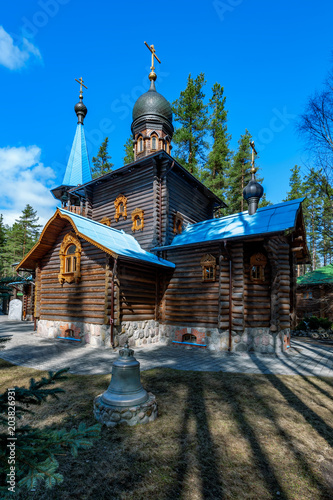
{"x": 78, "y": 167}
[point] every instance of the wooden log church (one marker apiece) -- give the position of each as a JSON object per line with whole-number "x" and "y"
{"x": 137, "y": 253}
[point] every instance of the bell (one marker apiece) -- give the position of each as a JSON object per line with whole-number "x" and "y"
{"x": 125, "y": 388}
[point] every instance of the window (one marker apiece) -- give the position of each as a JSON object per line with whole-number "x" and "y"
{"x": 137, "y": 219}
{"x": 70, "y": 259}
{"x": 120, "y": 204}
{"x": 153, "y": 143}
{"x": 208, "y": 264}
{"x": 258, "y": 263}
{"x": 178, "y": 221}
{"x": 188, "y": 337}
{"x": 106, "y": 221}
{"x": 140, "y": 145}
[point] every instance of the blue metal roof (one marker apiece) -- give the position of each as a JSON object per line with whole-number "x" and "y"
{"x": 112, "y": 239}
{"x": 78, "y": 167}
{"x": 271, "y": 219}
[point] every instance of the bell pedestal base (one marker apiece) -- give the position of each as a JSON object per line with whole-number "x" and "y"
{"x": 129, "y": 415}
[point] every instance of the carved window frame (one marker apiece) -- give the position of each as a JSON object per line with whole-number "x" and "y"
{"x": 178, "y": 221}
{"x": 120, "y": 201}
{"x": 106, "y": 221}
{"x": 138, "y": 220}
{"x": 258, "y": 262}
{"x": 75, "y": 274}
{"x": 208, "y": 264}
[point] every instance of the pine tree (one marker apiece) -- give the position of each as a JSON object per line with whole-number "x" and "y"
{"x": 129, "y": 153}
{"x": 219, "y": 158}
{"x": 101, "y": 162}
{"x": 191, "y": 113}
{"x": 296, "y": 185}
{"x": 27, "y": 229}
{"x": 239, "y": 175}
{"x": 36, "y": 448}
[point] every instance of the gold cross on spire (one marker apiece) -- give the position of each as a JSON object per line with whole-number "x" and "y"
{"x": 254, "y": 152}
{"x": 152, "y": 50}
{"x": 80, "y": 81}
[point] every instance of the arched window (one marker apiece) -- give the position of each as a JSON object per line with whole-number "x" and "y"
{"x": 70, "y": 259}
{"x": 120, "y": 205}
{"x": 137, "y": 219}
{"x": 258, "y": 263}
{"x": 70, "y": 266}
{"x": 140, "y": 145}
{"x": 208, "y": 264}
{"x": 178, "y": 221}
{"x": 153, "y": 143}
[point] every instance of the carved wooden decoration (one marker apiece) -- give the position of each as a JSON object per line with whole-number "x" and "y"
{"x": 70, "y": 259}
{"x": 137, "y": 219}
{"x": 178, "y": 221}
{"x": 208, "y": 264}
{"x": 106, "y": 221}
{"x": 120, "y": 204}
{"x": 258, "y": 263}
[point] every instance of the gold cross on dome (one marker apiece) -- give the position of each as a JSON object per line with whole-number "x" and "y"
{"x": 254, "y": 152}
{"x": 80, "y": 81}
{"x": 152, "y": 50}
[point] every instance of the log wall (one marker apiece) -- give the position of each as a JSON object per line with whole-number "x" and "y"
{"x": 257, "y": 296}
{"x": 138, "y": 295}
{"x": 138, "y": 187}
{"x": 188, "y": 300}
{"x": 278, "y": 250}
{"x": 186, "y": 199}
{"x": 83, "y": 301}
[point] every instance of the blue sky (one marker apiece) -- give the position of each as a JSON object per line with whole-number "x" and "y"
{"x": 269, "y": 56}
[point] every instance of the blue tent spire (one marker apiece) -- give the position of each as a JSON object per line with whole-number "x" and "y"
{"x": 78, "y": 167}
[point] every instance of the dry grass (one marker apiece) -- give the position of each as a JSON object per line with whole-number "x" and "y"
{"x": 218, "y": 436}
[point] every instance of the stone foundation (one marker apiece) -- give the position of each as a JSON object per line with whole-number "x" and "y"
{"x": 138, "y": 333}
{"x": 88, "y": 333}
{"x": 261, "y": 340}
{"x": 129, "y": 415}
{"x": 141, "y": 333}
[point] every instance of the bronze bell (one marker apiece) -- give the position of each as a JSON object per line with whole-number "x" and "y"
{"x": 125, "y": 388}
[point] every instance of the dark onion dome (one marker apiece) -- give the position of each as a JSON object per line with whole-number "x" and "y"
{"x": 81, "y": 110}
{"x": 152, "y": 103}
{"x": 252, "y": 193}
{"x": 253, "y": 189}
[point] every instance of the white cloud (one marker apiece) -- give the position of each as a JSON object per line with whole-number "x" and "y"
{"x": 25, "y": 180}
{"x": 13, "y": 56}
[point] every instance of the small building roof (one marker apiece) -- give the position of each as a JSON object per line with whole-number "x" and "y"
{"x": 271, "y": 219}
{"x": 317, "y": 277}
{"x": 110, "y": 240}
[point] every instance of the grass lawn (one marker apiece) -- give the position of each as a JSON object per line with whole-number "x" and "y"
{"x": 218, "y": 436}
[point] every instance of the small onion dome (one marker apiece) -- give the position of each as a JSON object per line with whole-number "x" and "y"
{"x": 81, "y": 110}
{"x": 152, "y": 103}
{"x": 252, "y": 193}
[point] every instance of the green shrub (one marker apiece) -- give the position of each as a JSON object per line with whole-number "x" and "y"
{"x": 314, "y": 323}
{"x": 325, "y": 323}
{"x": 301, "y": 326}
